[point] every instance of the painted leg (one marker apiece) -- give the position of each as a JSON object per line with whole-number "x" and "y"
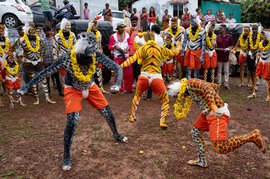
{"x": 250, "y": 81}
{"x": 46, "y": 92}
{"x": 224, "y": 147}
{"x": 72, "y": 121}
{"x": 10, "y": 97}
{"x": 34, "y": 88}
{"x": 268, "y": 91}
{"x": 188, "y": 73}
{"x": 20, "y": 101}
{"x": 106, "y": 112}
{"x": 241, "y": 75}
{"x": 205, "y": 74}
{"x": 255, "y": 88}
{"x": 196, "y": 73}
{"x": 164, "y": 99}
{"x": 135, "y": 104}
{"x": 199, "y": 141}
{"x": 212, "y": 75}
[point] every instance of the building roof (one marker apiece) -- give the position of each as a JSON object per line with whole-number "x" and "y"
{"x": 178, "y": 1}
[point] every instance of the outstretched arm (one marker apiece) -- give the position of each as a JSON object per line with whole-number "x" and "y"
{"x": 101, "y": 58}
{"x": 61, "y": 63}
{"x": 132, "y": 59}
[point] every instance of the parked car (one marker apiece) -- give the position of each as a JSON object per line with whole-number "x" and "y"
{"x": 106, "y": 30}
{"x": 38, "y": 14}
{"x": 14, "y": 13}
{"x": 117, "y": 17}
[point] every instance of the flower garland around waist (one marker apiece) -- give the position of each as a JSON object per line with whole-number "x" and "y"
{"x": 29, "y": 46}
{"x": 76, "y": 68}
{"x": 15, "y": 69}
{"x": 194, "y": 37}
{"x": 264, "y": 48}
{"x": 254, "y": 47}
{"x": 179, "y": 111}
{"x": 210, "y": 40}
{"x": 70, "y": 39}
{"x": 243, "y": 43}
{"x": 6, "y": 46}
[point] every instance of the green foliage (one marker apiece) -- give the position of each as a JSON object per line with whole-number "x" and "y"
{"x": 256, "y": 11}
{"x": 123, "y": 3}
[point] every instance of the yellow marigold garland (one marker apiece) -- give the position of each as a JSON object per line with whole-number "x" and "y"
{"x": 243, "y": 44}
{"x": 254, "y": 47}
{"x": 70, "y": 39}
{"x": 264, "y": 48}
{"x": 29, "y": 46}
{"x": 97, "y": 34}
{"x": 179, "y": 112}
{"x": 194, "y": 37}
{"x": 177, "y": 32}
{"x": 210, "y": 40}
{"x": 14, "y": 71}
{"x": 77, "y": 70}
{"x": 6, "y": 46}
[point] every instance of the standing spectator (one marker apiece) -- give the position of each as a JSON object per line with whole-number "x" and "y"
{"x": 135, "y": 13}
{"x": 231, "y": 19}
{"x": 86, "y": 11}
{"x": 144, "y": 20}
{"x": 133, "y": 32}
{"x": 67, "y": 14}
{"x": 45, "y": 7}
{"x": 120, "y": 44}
{"x": 220, "y": 17}
{"x": 166, "y": 19}
{"x": 224, "y": 45}
{"x": 107, "y": 13}
{"x": 186, "y": 18}
{"x": 152, "y": 17}
{"x": 199, "y": 14}
{"x": 209, "y": 17}
{"x": 50, "y": 57}
{"x": 127, "y": 16}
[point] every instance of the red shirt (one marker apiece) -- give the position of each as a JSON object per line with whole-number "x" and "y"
{"x": 224, "y": 42}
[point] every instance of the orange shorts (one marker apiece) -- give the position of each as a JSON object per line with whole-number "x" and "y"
{"x": 241, "y": 59}
{"x": 263, "y": 70}
{"x": 217, "y": 127}
{"x": 13, "y": 85}
{"x": 179, "y": 58}
{"x": 192, "y": 59}
{"x": 73, "y": 99}
{"x": 157, "y": 85}
{"x": 210, "y": 62}
{"x": 167, "y": 68}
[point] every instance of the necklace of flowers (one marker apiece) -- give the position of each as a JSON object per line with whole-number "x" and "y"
{"x": 210, "y": 40}
{"x": 76, "y": 68}
{"x": 15, "y": 68}
{"x": 264, "y": 48}
{"x": 194, "y": 37}
{"x": 97, "y": 34}
{"x": 254, "y": 47}
{"x": 70, "y": 39}
{"x": 29, "y": 46}
{"x": 179, "y": 111}
{"x": 243, "y": 43}
{"x": 6, "y": 46}
{"x": 177, "y": 32}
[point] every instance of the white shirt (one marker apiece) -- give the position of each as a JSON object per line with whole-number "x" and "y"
{"x": 231, "y": 20}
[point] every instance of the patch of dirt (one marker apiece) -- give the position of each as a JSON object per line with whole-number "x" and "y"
{"x": 31, "y": 140}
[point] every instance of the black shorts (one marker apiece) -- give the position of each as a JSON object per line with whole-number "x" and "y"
{"x": 251, "y": 64}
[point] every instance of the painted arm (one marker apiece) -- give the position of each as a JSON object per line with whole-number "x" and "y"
{"x": 101, "y": 58}
{"x": 184, "y": 43}
{"x": 169, "y": 53}
{"x": 203, "y": 46}
{"x": 132, "y": 59}
{"x": 61, "y": 63}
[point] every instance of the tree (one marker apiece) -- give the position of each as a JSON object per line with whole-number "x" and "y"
{"x": 256, "y": 11}
{"x": 123, "y": 3}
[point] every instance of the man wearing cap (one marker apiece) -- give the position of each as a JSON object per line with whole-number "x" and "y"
{"x": 120, "y": 44}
